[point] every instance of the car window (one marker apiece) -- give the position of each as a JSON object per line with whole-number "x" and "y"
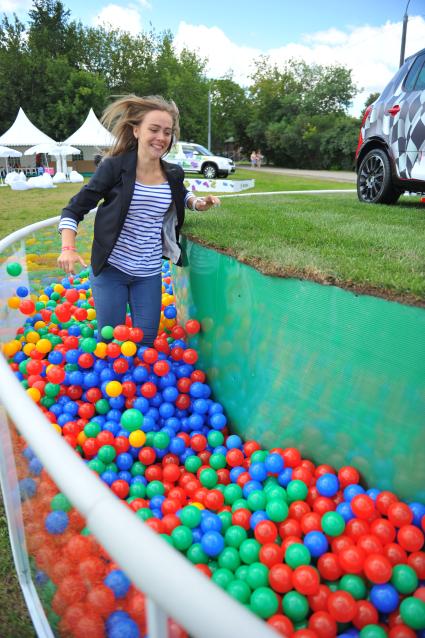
{"x": 187, "y": 150}
{"x": 202, "y": 150}
{"x": 409, "y": 83}
{"x": 420, "y": 80}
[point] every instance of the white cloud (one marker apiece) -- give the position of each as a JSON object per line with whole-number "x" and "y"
{"x": 371, "y": 52}
{"x": 123, "y": 18}
{"x": 15, "y": 6}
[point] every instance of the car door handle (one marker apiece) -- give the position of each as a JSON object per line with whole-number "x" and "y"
{"x": 393, "y": 110}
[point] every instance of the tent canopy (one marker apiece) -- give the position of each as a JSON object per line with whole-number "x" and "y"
{"x": 23, "y": 133}
{"x": 91, "y": 133}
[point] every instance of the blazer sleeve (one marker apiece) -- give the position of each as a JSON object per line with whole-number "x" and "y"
{"x": 89, "y": 196}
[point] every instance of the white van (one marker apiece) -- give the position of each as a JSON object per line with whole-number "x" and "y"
{"x": 194, "y": 158}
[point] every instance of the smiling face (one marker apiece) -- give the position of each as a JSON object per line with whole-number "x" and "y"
{"x": 154, "y": 134}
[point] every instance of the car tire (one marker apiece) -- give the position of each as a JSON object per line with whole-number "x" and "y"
{"x": 374, "y": 180}
{"x": 210, "y": 171}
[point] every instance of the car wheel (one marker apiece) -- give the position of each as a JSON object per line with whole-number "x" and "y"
{"x": 210, "y": 171}
{"x": 374, "y": 181}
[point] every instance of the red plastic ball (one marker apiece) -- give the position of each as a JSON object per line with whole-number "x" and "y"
{"x": 366, "y": 614}
{"x": 341, "y": 606}
{"x": 280, "y": 578}
{"x": 399, "y": 514}
{"x": 242, "y": 517}
{"x": 329, "y": 566}
{"x": 401, "y": 631}
{"x": 363, "y": 506}
{"x": 384, "y": 500}
{"x": 411, "y": 538}
{"x": 323, "y": 625}
{"x": 319, "y": 601}
{"x": 370, "y": 543}
{"x": 190, "y": 356}
{"x": 281, "y": 624}
{"x": 271, "y": 554}
{"x": 352, "y": 560}
{"x": 265, "y": 532}
{"x": 121, "y": 333}
{"x": 148, "y": 390}
{"x": 306, "y": 580}
{"x": 356, "y": 528}
{"x": 416, "y": 561}
{"x": 192, "y": 326}
{"x": 150, "y": 355}
{"x": 383, "y": 529}
{"x": 348, "y": 475}
{"x": 377, "y": 569}
{"x": 291, "y": 456}
{"x": 290, "y": 527}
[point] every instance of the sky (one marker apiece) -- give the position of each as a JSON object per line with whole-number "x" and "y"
{"x": 363, "y": 35}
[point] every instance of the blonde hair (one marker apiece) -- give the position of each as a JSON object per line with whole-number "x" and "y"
{"x": 122, "y": 115}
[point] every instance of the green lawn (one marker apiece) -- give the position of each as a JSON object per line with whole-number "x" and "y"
{"x": 328, "y": 238}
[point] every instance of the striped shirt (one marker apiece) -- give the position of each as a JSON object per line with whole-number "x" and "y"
{"x": 138, "y": 250}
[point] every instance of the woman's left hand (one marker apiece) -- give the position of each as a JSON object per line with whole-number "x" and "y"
{"x": 204, "y": 203}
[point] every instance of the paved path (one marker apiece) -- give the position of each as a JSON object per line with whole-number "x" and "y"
{"x": 337, "y": 176}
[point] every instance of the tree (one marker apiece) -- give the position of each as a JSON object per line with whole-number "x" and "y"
{"x": 230, "y": 110}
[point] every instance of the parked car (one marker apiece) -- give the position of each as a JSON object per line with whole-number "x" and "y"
{"x": 390, "y": 156}
{"x": 194, "y": 158}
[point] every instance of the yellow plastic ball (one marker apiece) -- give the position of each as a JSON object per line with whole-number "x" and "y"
{"x": 34, "y": 393}
{"x": 43, "y": 298}
{"x": 44, "y": 345}
{"x": 13, "y": 302}
{"x": 113, "y": 388}
{"x": 81, "y": 438}
{"x": 57, "y": 428}
{"x": 128, "y": 348}
{"x": 39, "y": 324}
{"x": 11, "y": 348}
{"x": 91, "y": 314}
{"x": 198, "y": 505}
{"x": 28, "y": 348}
{"x": 100, "y": 350}
{"x": 32, "y": 336}
{"x": 137, "y": 438}
{"x": 59, "y": 288}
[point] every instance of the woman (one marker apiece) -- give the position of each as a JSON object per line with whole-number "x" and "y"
{"x": 140, "y": 217}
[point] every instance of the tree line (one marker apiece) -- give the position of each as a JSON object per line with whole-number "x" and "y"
{"x": 56, "y": 68}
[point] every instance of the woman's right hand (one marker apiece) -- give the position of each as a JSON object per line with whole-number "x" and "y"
{"x": 67, "y": 260}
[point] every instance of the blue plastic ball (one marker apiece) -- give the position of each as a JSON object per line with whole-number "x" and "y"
{"x": 212, "y": 543}
{"x": 327, "y": 485}
{"x": 316, "y": 543}
{"x": 274, "y": 463}
{"x": 56, "y": 522}
{"x": 118, "y": 582}
{"x": 385, "y": 598}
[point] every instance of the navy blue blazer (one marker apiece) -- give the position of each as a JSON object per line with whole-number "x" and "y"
{"x": 113, "y": 182}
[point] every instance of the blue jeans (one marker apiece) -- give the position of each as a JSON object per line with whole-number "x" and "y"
{"x": 113, "y": 289}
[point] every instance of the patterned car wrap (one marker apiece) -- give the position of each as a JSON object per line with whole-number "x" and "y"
{"x": 403, "y": 133}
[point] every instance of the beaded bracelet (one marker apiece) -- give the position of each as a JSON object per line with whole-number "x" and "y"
{"x": 68, "y": 248}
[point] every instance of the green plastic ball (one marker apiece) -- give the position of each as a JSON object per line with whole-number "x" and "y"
{"x": 215, "y": 438}
{"x": 239, "y": 590}
{"x": 354, "y": 585}
{"x": 222, "y": 577}
{"x": 277, "y": 510}
{"x": 412, "y": 612}
{"x": 372, "y": 631}
{"x": 264, "y": 602}
{"x": 296, "y": 491}
{"x": 92, "y": 429}
{"x": 297, "y": 554}
{"x": 107, "y": 332}
{"x": 295, "y": 606}
{"x": 182, "y": 537}
{"x": 217, "y": 461}
{"x": 144, "y": 513}
{"x": 161, "y": 440}
{"x": 102, "y": 406}
{"x": 249, "y": 551}
{"x": 208, "y": 478}
{"x": 60, "y": 502}
{"x": 196, "y": 554}
{"x": 138, "y": 490}
{"x": 192, "y": 464}
{"x": 404, "y": 579}
{"x": 256, "y": 500}
{"x": 106, "y": 453}
{"x": 155, "y": 488}
{"x": 226, "y": 520}
{"x": 235, "y": 536}
{"x": 229, "y": 558}
{"x": 131, "y": 420}
{"x": 138, "y": 469}
{"x": 190, "y": 516}
{"x": 232, "y": 493}
{"x": 258, "y": 576}
{"x": 14, "y": 269}
{"x": 97, "y": 466}
{"x": 333, "y": 523}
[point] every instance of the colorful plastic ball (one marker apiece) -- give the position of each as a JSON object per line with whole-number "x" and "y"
{"x": 404, "y": 579}
{"x": 377, "y": 569}
{"x": 296, "y": 490}
{"x": 131, "y": 420}
{"x": 354, "y": 585}
{"x": 239, "y": 590}
{"x": 295, "y": 606}
{"x": 249, "y": 551}
{"x": 14, "y": 269}
{"x": 297, "y": 554}
{"x": 384, "y": 598}
{"x": 411, "y": 538}
{"x": 22, "y": 291}
{"x": 412, "y": 612}
{"x": 372, "y": 631}
{"x": 341, "y": 606}
{"x": 56, "y": 522}
{"x": 327, "y": 485}
{"x": 118, "y": 582}
{"x": 306, "y": 580}
{"x": 316, "y": 542}
{"x": 363, "y": 506}
{"x": 212, "y": 543}
{"x": 333, "y": 523}
{"x": 264, "y": 602}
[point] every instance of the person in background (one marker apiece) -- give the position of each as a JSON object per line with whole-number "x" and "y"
{"x": 253, "y": 159}
{"x": 260, "y": 158}
{"x": 140, "y": 218}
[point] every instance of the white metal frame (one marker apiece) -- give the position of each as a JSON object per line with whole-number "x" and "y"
{"x": 172, "y": 585}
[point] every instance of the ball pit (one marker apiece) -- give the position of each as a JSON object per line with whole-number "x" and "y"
{"x": 307, "y": 548}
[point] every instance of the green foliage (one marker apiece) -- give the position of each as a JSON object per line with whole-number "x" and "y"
{"x": 56, "y": 68}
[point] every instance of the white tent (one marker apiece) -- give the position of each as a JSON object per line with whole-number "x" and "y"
{"x": 91, "y": 137}
{"x": 23, "y": 133}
